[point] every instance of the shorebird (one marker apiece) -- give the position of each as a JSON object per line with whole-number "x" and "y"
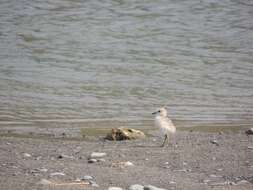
{"x": 164, "y": 124}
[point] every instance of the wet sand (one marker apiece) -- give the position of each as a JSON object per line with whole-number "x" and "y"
{"x": 198, "y": 161}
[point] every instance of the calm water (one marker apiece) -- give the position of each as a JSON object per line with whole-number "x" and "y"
{"x": 72, "y": 60}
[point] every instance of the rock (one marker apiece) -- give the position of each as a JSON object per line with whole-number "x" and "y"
{"x": 65, "y": 156}
{"x": 57, "y": 173}
{"x": 136, "y": 187}
{"x": 86, "y": 177}
{"x": 129, "y": 163}
{"x": 119, "y": 134}
{"x": 122, "y": 164}
{"x": 250, "y": 147}
{"x": 93, "y": 183}
{"x": 97, "y": 154}
{"x": 101, "y": 160}
{"x": 249, "y": 132}
{"x": 44, "y": 182}
{"x": 151, "y": 187}
{"x": 27, "y": 155}
{"x": 172, "y": 182}
{"x": 92, "y": 160}
{"x": 215, "y": 142}
{"x": 115, "y": 188}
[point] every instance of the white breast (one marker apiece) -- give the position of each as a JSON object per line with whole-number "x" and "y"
{"x": 165, "y": 125}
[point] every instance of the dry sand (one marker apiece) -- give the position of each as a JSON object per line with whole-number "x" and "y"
{"x": 199, "y": 161}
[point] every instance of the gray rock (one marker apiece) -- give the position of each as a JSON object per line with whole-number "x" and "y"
{"x": 249, "y": 132}
{"x": 27, "y": 155}
{"x": 115, "y": 188}
{"x": 101, "y": 160}
{"x": 136, "y": 187}
{"x": 92, "y": 160}
{"x": 151, "y": 187}
{"x": 93, "y": 183}
{"x": 44, "y": 182}
{"x": 97, "y": 154}
{"x": 57, "y": 173}
{"x": 215, "y": 142}
{"x": 86, "y": 177}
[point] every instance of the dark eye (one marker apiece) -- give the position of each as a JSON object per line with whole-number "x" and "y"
{"x": 159, "y": 111}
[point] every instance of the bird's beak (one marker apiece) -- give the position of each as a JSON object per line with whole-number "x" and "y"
{"x": 154, "y": 113}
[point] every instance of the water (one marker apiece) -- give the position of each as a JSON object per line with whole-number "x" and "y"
{"x": 78, "y": 60}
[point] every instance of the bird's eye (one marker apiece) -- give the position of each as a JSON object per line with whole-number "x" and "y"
{"x": 159, "y": 111}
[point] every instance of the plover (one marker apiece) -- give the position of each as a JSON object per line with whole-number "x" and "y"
{"x": 165, "y": 125}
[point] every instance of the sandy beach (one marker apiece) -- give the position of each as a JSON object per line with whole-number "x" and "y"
{"x": 199, "y": 160}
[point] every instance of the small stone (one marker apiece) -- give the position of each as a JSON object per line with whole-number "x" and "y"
{"x": 97, "y": 154}
{"x": 136, "y": 187}
{"x": 92, "y": 160}
{"x": 86, "y": 177}
{"x": 184, "y": 163}
{"x": 57, "y": 173}
{"x": 101, "y": 160}
{"x": 215, "y": 142}
{"x": 249, "y": 132}
{"x": 93, "y": 183}
{"x": 44, "y": 182}
{"x": 172, "y": 182}
{"x": 129, "y": 163}
{"x": 250, "y": 147}
{"x": 42, "y": 169}
{"x": 219, "y": 169}
{"x": 64, "y": 156}
{"x": 151, "y": 187}
{"x": 27, "y": 155}
{"x": 115, "y": 188}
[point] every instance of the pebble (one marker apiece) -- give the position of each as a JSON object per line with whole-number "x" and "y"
{"x": 92, "y": 160}
{"x": 44, "y": 182}
{"x": 115, "y": 188}
{"x": 249, "y": 132}
{"x": 101, "y": 160}
{"x": 97, "y": 154}
{"x": 27, "y": 155}
{"x": 64, "y": 156}
{"x": 215, "y": 142}
{"x": 93, "y": 183}
{"x": 172, "y": 182}
{"x": 136, "y": 187}
{"x": 151, "y": 187}
{"x": 129, "y": 163}
{"x": 250, "y": 147}
{"x": 57, "y": 173}
{"x": 86, "y": 177}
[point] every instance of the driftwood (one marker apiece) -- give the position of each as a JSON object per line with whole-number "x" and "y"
{"x": 119, "y": 134}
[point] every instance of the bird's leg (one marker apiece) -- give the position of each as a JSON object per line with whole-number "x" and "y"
{"x": 165, "y": 138}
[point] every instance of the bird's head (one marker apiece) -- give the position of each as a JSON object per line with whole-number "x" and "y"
{"x": 161, "y": 112}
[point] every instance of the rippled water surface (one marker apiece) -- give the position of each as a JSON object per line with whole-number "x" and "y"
{"x": 72, "y": 60}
